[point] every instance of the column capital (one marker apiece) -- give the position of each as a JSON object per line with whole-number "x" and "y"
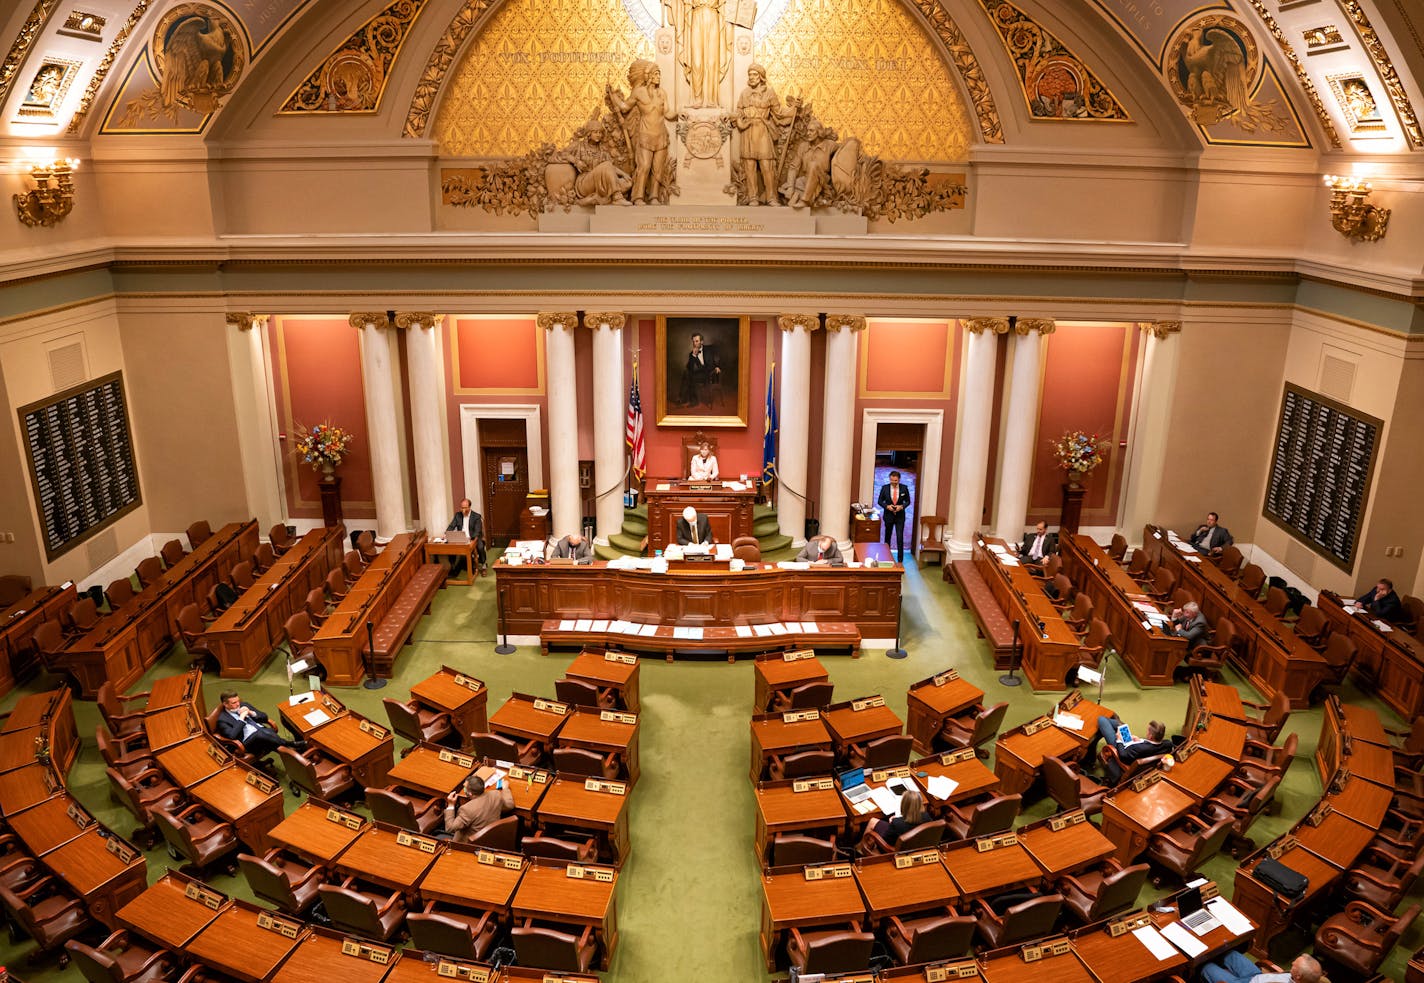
{"x": 790, "y": 322}
{"x": 851, "y": 322}
{"x": 369, "y": 319}
{"x": 995, "y": 325}
{"x": 406, "y": 320}
{"x": 246, "y": 320}
{"x": 568, "y": 320}
{"x": 1161, "y": 329}
{"x": 593, "y": 320}
{"x": 1043, "y": 325}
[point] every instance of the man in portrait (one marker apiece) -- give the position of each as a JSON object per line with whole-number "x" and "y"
{"x": 702, "y": 369}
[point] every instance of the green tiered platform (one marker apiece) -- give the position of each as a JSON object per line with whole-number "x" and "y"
{"x": 629, "y": 542}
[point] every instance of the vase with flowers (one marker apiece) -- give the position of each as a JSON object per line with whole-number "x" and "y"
{"x": 1079, "y": 453}
{"x": 322, "y": 446}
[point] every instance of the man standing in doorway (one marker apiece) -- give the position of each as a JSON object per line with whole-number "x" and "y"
{"x": 894, "y": 503}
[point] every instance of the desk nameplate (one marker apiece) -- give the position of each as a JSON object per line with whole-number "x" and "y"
{"x": 985, "y": 844}
{"x": 822, "y": 871}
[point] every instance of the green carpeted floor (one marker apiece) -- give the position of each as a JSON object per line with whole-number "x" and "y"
{"x": 689, "y": 901}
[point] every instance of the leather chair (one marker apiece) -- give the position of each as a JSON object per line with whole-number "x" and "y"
{"x": 129, "y": 755}
{"x": 82, "y": 616}
{"x": 399, "y": 808}
{"x": 18, "y": 869}
{"x": 1183, "y": 848}
{"x": 1401, "y": 832}
{"x": 1252, "y": 579}
{"x": 13, "y": 588}
{"x": 835, "y": 951}
{"x": 885, "y": 752}
{"x": 452, "y": 932}
{"x": 49, "y": 643}
{"x": 280, "y": 539}
{"x": 929, "y": 938}
{"x": 139, "y": 794}
{"x": 335, "y": 586}
{"x": 553, "y": 848}
{"x": 1095, "y": 643}
{"x": 191, "y": 631}
{"x": 1413, "y": 615}
{"x": 500, "y": 835}
{"x": 580, "y": 761}
{"x": 1241, "y": 802}
{"x": 807, "y": 696}
{"x": 213, "y": 605}
{"x": 122, "y": 958}
{"x": 202, "y": 840}
{"x": 419, "y": 724}
{"x": 1258, "y": 760}
{"x": 263, "y": 558}
{"x": 366, "y": 546}
{"x": 577, "y": 693}
{"x": 922, "y": 837}
{"x": 1267, "y": 727}
{"x": 1026, "y": 920}
{"x": 352, "y": 568}
{"x": 149, "y": 569}
{"x": 1126, "y": 770}
{"x": 1360, "y": 937}
{"x": 1164, "y": 582}
{"x": 114, "y": 708}
{"x": 1050, "y": 570}
{"x": 1381, "y": 877}
{"x": 1229, "y": 561}
{"x": 1070, "y": 788}
{"x": 281, "y": 880}
{"x": 548, "y": 948}
{"x": 1209, "y": 658}
{"x": 1080, "y": 614}
{"x": 1409, "y": 754}
{"x": 1312, "y": 628}
{"x": 497, "y": 747}
{"x": 977, "y": 727}
{"x": 198, "y": 532}
{"x": 1103, "y": 890}
{"x": 1117, "y": 549}
{"x": 993, "y": 815}
{"x": 932, "y": 537}
{"x": 1276, "y": 602}
{"x": 315, "y": 607}
{"x": 790, "y": 849}
{"x": 1064, "y": 593}
{"x": 1139, "y": 568}
{"x": 172, "y": 553}
{"x": 317, "y": 775}
{"x": 119, "y": 593}
{"x": 801, "y": 764}
{"x": 1339, "y": 654}
{"x": 300, "y": 637}
{"x": 376, "y": 916}
{"x": 747, "y": 549}
{"x": 47, "y": 913}
{"x": 242, "y": 576}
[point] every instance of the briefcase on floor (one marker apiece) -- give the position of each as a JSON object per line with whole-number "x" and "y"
{"x": 1289, "y": 884}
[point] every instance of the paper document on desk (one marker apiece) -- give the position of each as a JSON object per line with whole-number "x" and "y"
{"x": 664, "y": 486}
{"x": 1381, "y": 625}
{"x": 744, "y": 631}
{"x": 1229, "y": 915}
{"x": 497, "y": 775}
{"x": 598, "y": 626}
{"x": 1184, "y": 940}
{"x": 566, "y": 625}
{"x": 724, "y": 551}
{"x": 1152, "y": 939}
{"x": 777, "y": 629}
{"x": 793, "y": 565}
{"x": 810, "y": 627}
{"x": 316, "y": 717}
{"x": 658, "y": 566}
{"x": 688, "y": 634}
{"x": 995, "y": 548}
{"x": 886, "y": 801}
{"x": 1089, "y": 675}
{"x": 1008, "y": 561}
{"x": 1184, "y": 547}
{"x": 1068, "y": 721}
{"x": 941, "y": 787}
{"x": 300, "y": 698}
{"x": 648, "y": 631}
{"x": 734, "y": 485}
{"x": 1350, "y": 609}
{"x": 583, "y": 624}
{"x": 761, "y": 631}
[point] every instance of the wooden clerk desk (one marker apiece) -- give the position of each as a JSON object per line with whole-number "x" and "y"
{"x": 18, "y": 623}
{"x": 728, "y": 512}
{"x": 1049, "y": 651}
{"x": 244, "y": 636}
{"x": 1393, "y": 659}
{"x": 568, "y": 803}
{"x": 790, "y": 901}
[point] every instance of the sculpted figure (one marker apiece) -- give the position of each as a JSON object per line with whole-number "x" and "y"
{"x": 703, "y": 40}
{"x": 587, "y": 167}
{"x": 759, "y": 116}
{"x": 810, "y": 172}
{"x": 648, "y": 102}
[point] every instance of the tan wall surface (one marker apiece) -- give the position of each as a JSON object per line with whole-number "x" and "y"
{"x": 23, "y": 556}
{"x": 1394, "y": 518}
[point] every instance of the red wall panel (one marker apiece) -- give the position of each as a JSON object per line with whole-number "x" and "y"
{"x": 496, "y": 353}
{"x": 906, "y": 357}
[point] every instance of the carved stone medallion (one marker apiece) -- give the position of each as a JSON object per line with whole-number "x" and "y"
{"x": 1213, "y": 66}
{"x": 199, "y": 55}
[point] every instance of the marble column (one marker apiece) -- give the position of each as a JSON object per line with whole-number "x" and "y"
{"x": 610, "y": 419}
{"x": 1150, "y": 434}
{"x": 838, "y": 424}
{"x": 976, "y": 406}
{"x": 430, "y": 431}
{"x": 1020, "y": 427}
{"x": 559, "y": 330}
{"x": 793, "y": 444}
{"x": 383, "y": 421}
{"x": 257, "y": 429}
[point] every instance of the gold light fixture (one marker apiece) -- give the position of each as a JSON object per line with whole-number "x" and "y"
{"x": 1351, "y": 213}
{"x": 53, "y": 195}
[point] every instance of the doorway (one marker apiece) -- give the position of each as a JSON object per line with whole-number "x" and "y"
{"x": 900, "y": 447}
{"x": 504, "y": 477}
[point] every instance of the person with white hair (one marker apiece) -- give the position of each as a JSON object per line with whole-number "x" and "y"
{"x": 694, "y": 529}
{"x": 1188, "y": 622}
{"x": 1236, "y": 968}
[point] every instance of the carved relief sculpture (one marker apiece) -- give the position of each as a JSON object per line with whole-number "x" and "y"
{"x": 647, "y": 112}
{"x": 704, "y": 46}
{"x": 760, "y": 118}
{"x": 1213, "y": 67}
{"x": 199, "y": 54}
{"x": 583, "y": 173}
{"x": 1056, "y": 83}
{"x": 352, "y": 78}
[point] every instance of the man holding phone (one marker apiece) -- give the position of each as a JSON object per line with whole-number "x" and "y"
{"x": 480, "y": 810}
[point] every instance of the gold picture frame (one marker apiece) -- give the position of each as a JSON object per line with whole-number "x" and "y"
{"x": 703, "y": 399}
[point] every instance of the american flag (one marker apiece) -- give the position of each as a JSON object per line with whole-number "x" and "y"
{"x": 634, "y": 433}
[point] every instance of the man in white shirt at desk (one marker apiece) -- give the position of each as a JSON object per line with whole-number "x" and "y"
{"x": 1239, "y": 969}
{"x": 704, "y": 464}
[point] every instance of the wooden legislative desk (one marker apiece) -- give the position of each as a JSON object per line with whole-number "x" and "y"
{"x": 318, "y": 833}
{"x": 568, "y": 803}
{"x": 1068, "y": 850}
{"x": 432, "y": 770}
{"x": 170, "y": 916}
{"x": 605, "y": 732}
{"x": 1050, "y": 647}
{"x": 238, "y": 943}
{"x": 728, "y": 512}
{"x": 323, "y": 955}
{"x": 1019, "y": 755}
{"x": 40, "y": 722}
{"x": 244, "y": 635}
{"x": 789, "y": 900}
{"x": 979, "y": 874}
{"x": 860, "y": 721}
{"x": 892, "y": 889}
{"x": 368, "y": 747}
{"x": 795, "y": 806}
{"x": 609, "y": 670}
{"x": 786, "y": 733}
{"x": 1393, "y": 659}
{"x": 931, "y": 701}
{"x": 550, "y": 892}
{"x": 341, "y": 643}
{"x": 130, "y": 640}
{"x": 474, "y": 877}
{"x": 699, "y": 595}
{"x": 460, "y": 695}
{"x": 781, "y": 673}
{"x": 1275, "y": 659}
{"x": 1150, "y": 654}
{"x": 971, "y": 777}
{"x": 1009, "y": 966}
{"x": 530, "y": 718}
{"x": 388, "y": 856}
{"x": 18, "y": 623}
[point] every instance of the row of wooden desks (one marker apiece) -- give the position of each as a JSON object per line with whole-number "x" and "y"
{"x": 1050, "y": 647}
{"x": 837, "y": 726}
{"x": 552, "y": 723}
{"x": 341, "y": 642}
{"x": 1019, "y": 753}
{"x": 18, "y": 623}
{"x": 40, "y": 726}
{"x": 1386, "y": 655}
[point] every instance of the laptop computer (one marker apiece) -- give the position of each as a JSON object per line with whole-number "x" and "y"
{"x": 1193, "y": 912}
{"x": 853, "y": 785}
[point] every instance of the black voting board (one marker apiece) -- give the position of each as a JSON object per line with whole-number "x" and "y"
{"x": 1321, "y": 469}
{"x": 81, "y": 461}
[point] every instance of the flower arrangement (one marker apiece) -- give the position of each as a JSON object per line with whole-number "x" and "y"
{"x": 1079, "y": 453}
{"x": 322, "y": 446}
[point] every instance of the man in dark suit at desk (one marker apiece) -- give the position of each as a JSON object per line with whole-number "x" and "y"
{"x": 1155, "y": 742}
{"x": 1188, "y": 622}
{"x": 694, "y": 529}
{"x": 468, "y": 522}
{"x": 821, "y": 549}
{"x": 242, "y": 722}
{"x": 894, "y": 503}
{"x": 1382, "y": 602}
{"x": 1038, "y": 545}
{"x": 1211, "y": 537}
{"x": 573, "y": 547}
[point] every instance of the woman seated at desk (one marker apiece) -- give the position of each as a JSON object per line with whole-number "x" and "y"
{"x": 912, "y": 814}
{"x": 704, "y": 464}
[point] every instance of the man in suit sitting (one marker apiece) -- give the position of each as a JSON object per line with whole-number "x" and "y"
{"x": 242, "y": 722}
{"x": 1038, "y": 545}
{"x": 1155, "y": 742}
{"x": 1211, "y": 537}
{"x": 894, "y": 502}
{"x": 821, "y": 549}
{"x": 1382, "y": 602}
{"x": 573, "y": 547}
{"x": 694, "y": 529}
{"x": 468, "y": 522}
{"x": 1188, "y": 622}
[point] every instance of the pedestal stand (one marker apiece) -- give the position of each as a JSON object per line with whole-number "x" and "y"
{"x": 1072, "y": 507}
{"x": 330, "y": 500}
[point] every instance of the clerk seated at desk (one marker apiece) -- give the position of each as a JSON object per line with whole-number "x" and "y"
{"x": 241, "y": 721}
{"x": 1156, "y": 742}
{"x": 1382, "y": 602}
{"x": 694, "y": 529}
{"x": 823, "y": 550}
{"x": 704, "y": 464}
{"x": 573, "y": 547}
{"x": 468, "y": 522}
{"x": 482, "y": 808}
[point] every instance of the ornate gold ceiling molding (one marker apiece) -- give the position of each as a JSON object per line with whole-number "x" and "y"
{"x": 790, "y": 322}
{"x": 1392, "y": 84}
{"x": 353, "y": 78}
{"x": 422, "y": 103}
{"x": 24, "y": 41}
{"x": 614, "y": 321}
{"x": 994, "y": 325}
{"x": 1305, "y": 83}
{"x": 967, "y": 65}
{"x": 102, "y": 72}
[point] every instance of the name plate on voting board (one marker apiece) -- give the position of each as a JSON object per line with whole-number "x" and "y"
{"x": 378, "y": 954}
{"x": 964, "y": 969}
{"x": 550, "y": 706}
{"x": 1071, "y": 700}
{"x": 798, "y": 656}
{"x": 1034, "y": 726}
{"x": 217, "y": 754}
{"x": 617, "y": 717}
{"x": 813, "y": 784}
{"x": 822, "y": 871}
{"x": 529, "y": 775}
{"x": 948, "y": 676}
{"x": 604, "y": 785}
{"x": 469, "y": 682}
{"x": 1144, "y": 782}
{"x": 281, "y": 926}
{"x": 1059, "y": 823}
{"x": 460, "y": 971}
{"x": 123, "y": 851}
{"x": 623, "y": 657}
{"x": 209, "y": 899}
{"x": 1317, "y": 816}
{"x": 77, "y": 815}
{"x": 1129, "y": 923}
{"x": 954, "y": 757}
{"x": 797, "y": 716}
{"x": 375, "y": 730}
{"x": 1049, "y": 947}
{"x": 1284, "y": 845}
{"x": 492, "y": 858}
{"x": 916, "y": 859}
{"x": 420, "y": 843}
{"x": 867, "y": 703}
{"x": 885, "y": 774}
{"x": 581, "y": 872}
{"x": 348, "y": 819}
{"x": 984, "y": 844}
{"x": 456, "y": 758}
{"x": 262, "y": 783}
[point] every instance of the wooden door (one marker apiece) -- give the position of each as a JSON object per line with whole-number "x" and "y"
{"x": 505, "y": 473}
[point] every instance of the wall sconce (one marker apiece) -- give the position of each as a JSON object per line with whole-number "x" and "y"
{"x": 1351, "y": 214}
{"x": 53, "y": 196}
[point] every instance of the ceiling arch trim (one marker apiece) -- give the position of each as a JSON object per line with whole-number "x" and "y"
{"x": 96, "y": 81}
{"x": 971, "y": 73}
{"x": 427, "y": 90}
{"x": 1387, "y": 73}
{"x": 24, "y": 41}
{"x": 353, "y": 78}
{"x": 1326, "y": 124}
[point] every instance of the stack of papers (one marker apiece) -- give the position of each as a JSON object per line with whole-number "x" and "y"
{"x": 598, "y": 626}
{"x": 996, "y": 548}
{"x": 744, "y": 631}
{"x": 1178, "y": 935}
{"x": 1068, "y": 721}
{"x": 583, "y": 624}
{"x": 316, "y": 717}
{"x": 1008, "y": 561}
{"x": 777, "y": 629}
{"x": 1152, "y": 939}
{"x": 887, "y": 801}
{"x": 761, "y": 631}
{"x": 793, "y": 565}
{"x": 941, "y": 787}
{"x": 566, "y": 625}
{"x": 1184, "y": 547}
{"x": 734, "y": 485}
{"x": 647, "y": 631}
{"x": 687, "y": 634}
{"x": 1381, "y": 625}
{"x": 1230, "y": 917}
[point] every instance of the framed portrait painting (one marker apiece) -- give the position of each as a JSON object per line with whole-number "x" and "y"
{"x": 702, "y": 371}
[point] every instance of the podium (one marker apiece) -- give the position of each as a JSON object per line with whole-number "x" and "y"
{"x": 728, "y": 512}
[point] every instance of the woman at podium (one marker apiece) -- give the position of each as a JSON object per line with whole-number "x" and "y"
{"x": 704, "y": 464}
